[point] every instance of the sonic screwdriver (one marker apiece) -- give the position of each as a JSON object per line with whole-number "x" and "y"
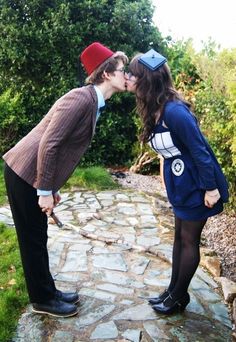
{"x": 56, "y": 219}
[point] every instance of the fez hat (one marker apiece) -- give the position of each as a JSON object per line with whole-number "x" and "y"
{"x": 94, "y": 55}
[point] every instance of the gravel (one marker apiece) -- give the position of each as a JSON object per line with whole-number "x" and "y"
{"x": 218, "y": 234}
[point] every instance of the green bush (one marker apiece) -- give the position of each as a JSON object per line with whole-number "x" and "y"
{"x": 39, "y": 47}
{"x": 215, "y": 99}
{"x": 12, "y": 119}
{"x": 115, "y": 134}
{"x": 216, "y": 120}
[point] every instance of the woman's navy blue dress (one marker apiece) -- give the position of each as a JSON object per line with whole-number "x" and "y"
{"x": 190, "y": 166}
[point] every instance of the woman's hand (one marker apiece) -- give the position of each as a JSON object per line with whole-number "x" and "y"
{"x": 46, "y": 203}
{"x": 211, "y": 198}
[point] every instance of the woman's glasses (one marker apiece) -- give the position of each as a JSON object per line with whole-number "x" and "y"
{"x": 129, "y": 75}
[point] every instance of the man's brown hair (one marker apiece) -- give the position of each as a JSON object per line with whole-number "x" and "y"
{"x": 108, "y": 66}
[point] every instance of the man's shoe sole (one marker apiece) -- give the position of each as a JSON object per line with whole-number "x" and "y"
{"x": 53, "y": 314}
{"x": 76, "y": 301}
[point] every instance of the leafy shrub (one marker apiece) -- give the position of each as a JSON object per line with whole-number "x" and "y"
{"x": 215, "y": 107}
{"x": 39, "y": 47}
{"x": 12, "y": 119}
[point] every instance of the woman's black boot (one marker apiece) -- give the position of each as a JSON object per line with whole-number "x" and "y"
{"x": 176, "y": 306}
{"x": 159, "y": 299}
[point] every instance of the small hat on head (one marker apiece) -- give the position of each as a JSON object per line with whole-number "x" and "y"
{"x": 152, "y": 60}
{"x": 94, "y": 55}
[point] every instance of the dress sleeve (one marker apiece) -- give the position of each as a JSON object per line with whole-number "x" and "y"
{"x": 183, "y": 124}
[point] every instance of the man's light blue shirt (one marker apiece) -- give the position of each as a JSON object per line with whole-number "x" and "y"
{"x": 101, "y": 103}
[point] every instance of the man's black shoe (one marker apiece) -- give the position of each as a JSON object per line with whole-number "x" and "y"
{"x": 55, "y": 307}
{"x": 68, "y": 297}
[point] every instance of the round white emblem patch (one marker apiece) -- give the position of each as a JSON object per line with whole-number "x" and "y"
{"x": 177, "y": 167}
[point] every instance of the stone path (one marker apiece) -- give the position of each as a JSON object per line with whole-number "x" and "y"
{"x": 115, "y": 250}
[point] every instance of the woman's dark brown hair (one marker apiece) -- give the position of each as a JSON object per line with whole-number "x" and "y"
{"x": 153, "y": 90}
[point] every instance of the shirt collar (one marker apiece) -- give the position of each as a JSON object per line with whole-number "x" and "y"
{"x": 101, "y": 101}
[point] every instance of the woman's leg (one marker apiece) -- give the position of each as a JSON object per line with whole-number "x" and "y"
{"x": 176, "y": 255}
{"x": 188, "y": 258}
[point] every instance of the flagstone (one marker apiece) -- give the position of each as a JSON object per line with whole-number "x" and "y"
{"x": 110, "y": 261}
{"x": 115, "y": 250}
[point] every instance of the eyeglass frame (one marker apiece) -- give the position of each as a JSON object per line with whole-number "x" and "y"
{"x": 121, "y": 70}
{"x": 129, "y": 74}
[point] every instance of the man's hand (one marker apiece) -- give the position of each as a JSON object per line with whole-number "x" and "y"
{"x": 46, "y": 203}
{"x": 211, "y": 198}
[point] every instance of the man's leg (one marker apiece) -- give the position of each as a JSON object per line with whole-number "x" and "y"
{"x": 31, "y": 228}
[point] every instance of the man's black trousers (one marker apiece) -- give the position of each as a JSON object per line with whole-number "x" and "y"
{"x": 31, "y": 227}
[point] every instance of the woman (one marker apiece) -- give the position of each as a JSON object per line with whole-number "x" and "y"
{"x": 195, "y": 184}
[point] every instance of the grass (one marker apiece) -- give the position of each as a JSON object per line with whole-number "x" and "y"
{"x": 92, "y": 178}
{"x": 13, "y": 295}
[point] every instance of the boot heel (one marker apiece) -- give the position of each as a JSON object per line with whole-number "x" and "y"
{"x": 183, "y": 302}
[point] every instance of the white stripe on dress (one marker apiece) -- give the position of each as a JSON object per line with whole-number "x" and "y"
{"x": 163, "y": 144}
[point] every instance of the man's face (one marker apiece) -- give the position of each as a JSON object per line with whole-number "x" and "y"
{"x": 117, "y": 78}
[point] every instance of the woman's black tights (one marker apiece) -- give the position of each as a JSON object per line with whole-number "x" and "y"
{"x": 186, "y": 255}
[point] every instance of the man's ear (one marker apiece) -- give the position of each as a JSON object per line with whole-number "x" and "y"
{"x": 106, "y": 75}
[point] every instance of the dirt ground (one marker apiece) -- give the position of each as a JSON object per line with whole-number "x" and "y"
{"x": 219, "y": 235}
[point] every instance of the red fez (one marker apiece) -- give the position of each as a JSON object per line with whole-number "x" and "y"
{"x": 94, "y": 55}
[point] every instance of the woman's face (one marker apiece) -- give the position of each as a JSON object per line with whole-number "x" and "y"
{"x": 130, "y": 82}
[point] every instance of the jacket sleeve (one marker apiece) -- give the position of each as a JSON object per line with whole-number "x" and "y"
{"x": 183, "y": 124}
{"x": 66, "y": 113}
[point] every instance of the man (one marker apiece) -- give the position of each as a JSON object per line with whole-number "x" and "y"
{"x": 42, "y": 162}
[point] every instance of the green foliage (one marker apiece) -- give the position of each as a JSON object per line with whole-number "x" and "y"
{"x": 231, "y": 125}
{"x": 183, "y": 69}
{"x": 13, "y": 296}
{"x": 12, "y": 118}
{"x": 140, "y": 149}
{"x": 3, "y": 198}
{"x": 93, "y": 178}
{"x": 40, "y": 42}
{"x": 215, "y": 100}
{"x": 213, "y": 113}
{"x": 115, "y": 133}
